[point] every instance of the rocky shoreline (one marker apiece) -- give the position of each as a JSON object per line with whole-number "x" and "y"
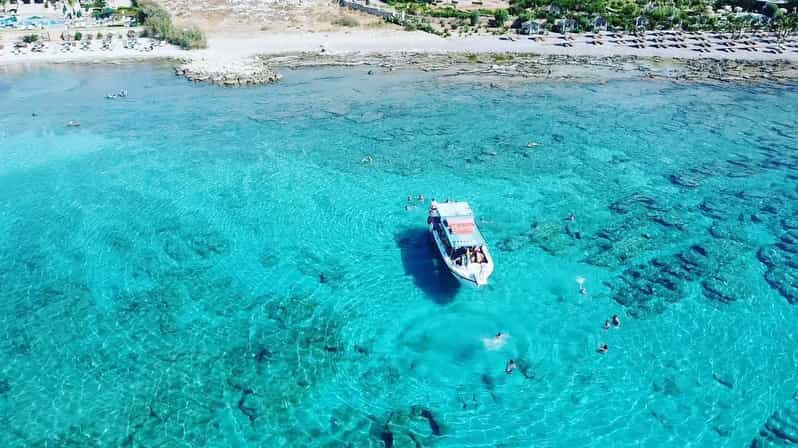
{"x": 251, "y": 72}
{"x": 500, "y": 68}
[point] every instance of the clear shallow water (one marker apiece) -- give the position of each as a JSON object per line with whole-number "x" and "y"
{"x": 196, "y": 266}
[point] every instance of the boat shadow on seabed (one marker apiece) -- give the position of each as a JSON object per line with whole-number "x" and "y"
{"x": 423, "y": 263}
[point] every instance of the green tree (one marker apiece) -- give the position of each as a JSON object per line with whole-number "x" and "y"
{"x": 786, "y": 25}
{"x": 72, "y": 4}
{"x": 473, "y": 18}
{"x": 500, "y": 16}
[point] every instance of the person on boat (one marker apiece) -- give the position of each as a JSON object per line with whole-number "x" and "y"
{"x": 480, "y": 255}
{"x": 602, "y": 348}
{"x": 465, "y": 257}
{"x": 510, "y": 367}
{"x": 616, "y": 321}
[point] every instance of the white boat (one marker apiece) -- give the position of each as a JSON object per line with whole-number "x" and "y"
{"x": 460, "y": 243}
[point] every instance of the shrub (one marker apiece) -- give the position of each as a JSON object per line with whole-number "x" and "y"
{"x": 30, "y": 38}
{"x": 448, "y": 12}
{"x": 500, "y": 16}
{"x": 346, "y": 21}
{"x": 99, "y": 35}
{"x": 125, "y": 11}
{"x": 473, "y": 18}
{"x": 158, "y": 24}
{"x": 188, "y": 38}
{"x": 78, "y": 35}
{"x": 103, "y": 13}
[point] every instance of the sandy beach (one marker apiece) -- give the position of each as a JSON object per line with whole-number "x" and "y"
{"x": 225, "y": 49}
{"x": 232, "y": 59}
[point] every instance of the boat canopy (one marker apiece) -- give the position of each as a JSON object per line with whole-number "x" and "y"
{"x": 459, "y": 226}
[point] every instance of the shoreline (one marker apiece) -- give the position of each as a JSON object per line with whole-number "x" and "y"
{"x": 239, "y": 61}
{"x": 498, "y": 69}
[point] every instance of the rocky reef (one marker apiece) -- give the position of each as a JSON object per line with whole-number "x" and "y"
{"x": 781, "y": 262}
{"x": 711, "y": 269}
{"x": 781, "y": 428}
{"x": 556, "y": 67}
{"x": 249, "y": 72}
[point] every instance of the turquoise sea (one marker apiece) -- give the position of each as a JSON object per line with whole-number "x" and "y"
{"x": 204, "y": 267}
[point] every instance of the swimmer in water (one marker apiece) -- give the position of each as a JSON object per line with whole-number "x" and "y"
{"x": 581, "y": 282}
{"x": 409, "y": 198}
{"x": 496, "y": 342}
{"x": 602, "y": 348}
{"x": 616, "y": 321}
{"x": 421, "y": 198}
{"x": 571, "y": 217}
{"x": 510, "y": 367}
{"x": 606, "y": 324}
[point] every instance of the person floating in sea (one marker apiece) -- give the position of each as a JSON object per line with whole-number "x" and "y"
{"x": 581, "y": 282}
{"x": 616, "y": 321}
{"x": 510, "y": 367}
{"x": 602, "y": 348}
{"x": 496, "y": 342}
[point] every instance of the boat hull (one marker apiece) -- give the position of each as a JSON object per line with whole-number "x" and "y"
{"x": 463, "y": 276}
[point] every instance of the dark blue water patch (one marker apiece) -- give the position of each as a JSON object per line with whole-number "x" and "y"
{"x": 553, "y": 237}
{"x": 647, "y": 289}
{"x": 422, "y": 262}
{"x": 781, "y": 428}
{"x": 781, "y": 264}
